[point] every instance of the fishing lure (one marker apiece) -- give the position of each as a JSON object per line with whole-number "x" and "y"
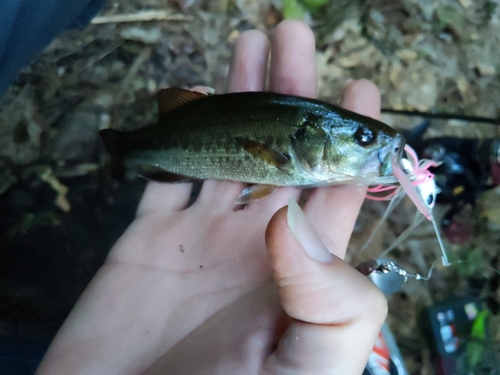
{"x": 468, "y": 167}
{"x": 419, "y": 184}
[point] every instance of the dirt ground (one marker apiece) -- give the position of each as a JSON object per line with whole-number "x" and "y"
{"x": 61, "y": 211}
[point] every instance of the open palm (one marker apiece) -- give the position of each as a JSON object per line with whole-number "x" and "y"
{"x": 190, "y": 291}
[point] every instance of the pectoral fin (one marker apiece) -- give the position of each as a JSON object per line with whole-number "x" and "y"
{"x": 263, "y": 152}
{"x": 255, "y": 192}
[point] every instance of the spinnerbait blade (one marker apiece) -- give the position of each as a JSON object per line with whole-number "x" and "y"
{"x": 387, "y": 275}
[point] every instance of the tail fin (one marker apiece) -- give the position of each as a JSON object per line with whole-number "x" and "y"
{"x": 112, "y": 141}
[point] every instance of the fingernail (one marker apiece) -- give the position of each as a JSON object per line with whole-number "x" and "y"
{"x": 304, "y": 233}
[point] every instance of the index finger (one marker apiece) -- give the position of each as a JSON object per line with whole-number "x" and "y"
{"x": 293, "y": 71}
{"x": 293, "y": 60}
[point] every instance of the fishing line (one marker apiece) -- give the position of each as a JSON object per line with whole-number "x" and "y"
{"x": 390, "y": 277}
{"x": 446, "y": 262}
{"x": 477, "y": 264}
{"x": 406, "y": 233}
{"x": 395, "y": 200}
{"x": 393, "y": 267}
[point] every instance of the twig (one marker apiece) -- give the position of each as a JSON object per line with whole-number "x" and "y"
{"x": 112, "y": 47}
{"x": 132, "y": 72}
{"x": 144, "y": 16}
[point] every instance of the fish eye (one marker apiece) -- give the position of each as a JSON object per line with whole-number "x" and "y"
{"x": 430, "y": 200}
{"x": 364, "y": 136}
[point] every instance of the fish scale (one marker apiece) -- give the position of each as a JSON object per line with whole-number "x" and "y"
{"x": 257, "y": 138}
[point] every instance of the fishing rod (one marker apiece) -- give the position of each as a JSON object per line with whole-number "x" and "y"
{"x": 445, "y": 116}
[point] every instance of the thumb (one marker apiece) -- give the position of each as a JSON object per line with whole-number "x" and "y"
{"x": 336, "y": 311}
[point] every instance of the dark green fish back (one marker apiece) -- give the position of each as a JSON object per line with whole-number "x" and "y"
{"x": 240, "y": 136}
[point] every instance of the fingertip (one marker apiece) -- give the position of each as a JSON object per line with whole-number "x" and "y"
{"x": 360, "y": 87}
{"x": 251, "y": 35}
{"x": 293, "y": 59}
{"x": 319, "y": 292}
{"x": 254, "y": 39}
{"x": 362, "y": 96}
{"x": 247, "y": 71}
{"x": 295, "y": 28}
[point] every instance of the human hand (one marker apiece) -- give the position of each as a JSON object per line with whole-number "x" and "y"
{"x": 194, "y": 291}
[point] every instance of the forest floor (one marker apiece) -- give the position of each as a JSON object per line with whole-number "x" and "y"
{"x": 55, "y": 186}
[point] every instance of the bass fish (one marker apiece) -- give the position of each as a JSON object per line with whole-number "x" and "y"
{"x": 262, "y": 138}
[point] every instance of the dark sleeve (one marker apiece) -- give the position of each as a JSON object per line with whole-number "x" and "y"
{"x": 28, "y": 26}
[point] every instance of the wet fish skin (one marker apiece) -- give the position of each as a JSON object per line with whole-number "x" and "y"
{"x": 259, "y": 138}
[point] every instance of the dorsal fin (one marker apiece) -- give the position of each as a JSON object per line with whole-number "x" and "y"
{"x": 172, "y": 98}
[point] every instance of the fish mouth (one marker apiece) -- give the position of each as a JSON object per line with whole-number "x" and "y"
{"x": 392, "y": 152}
{"x": 378, "y": 168}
